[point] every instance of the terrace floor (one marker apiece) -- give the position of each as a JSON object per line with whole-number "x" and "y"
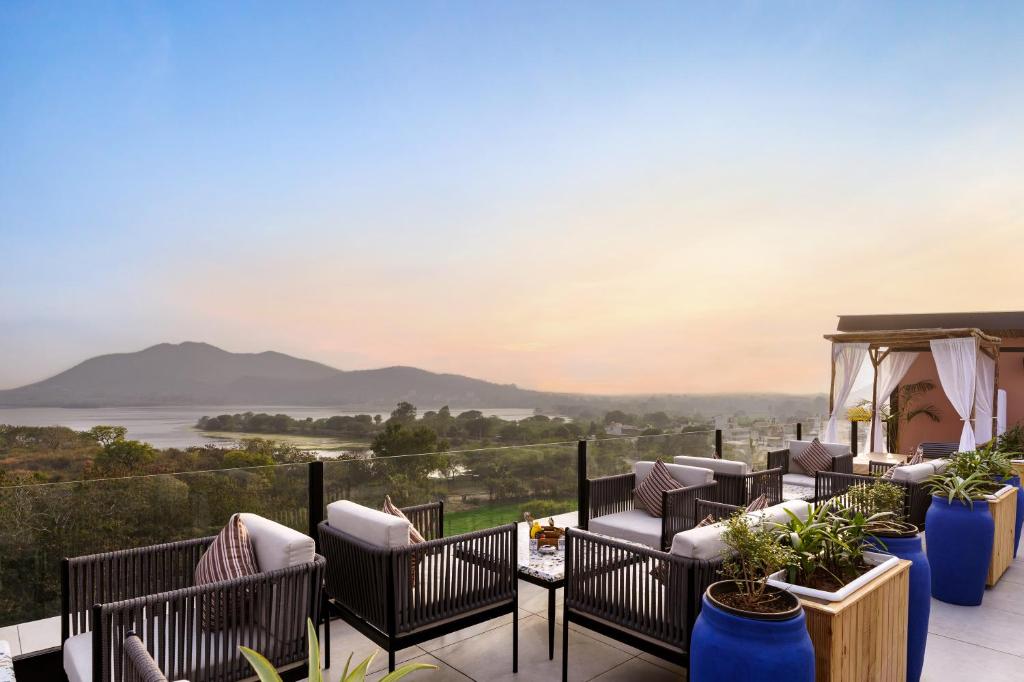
{"x": 965, "y": 643}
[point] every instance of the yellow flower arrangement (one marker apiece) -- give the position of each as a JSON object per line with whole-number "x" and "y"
{"x": 860, "y": 413}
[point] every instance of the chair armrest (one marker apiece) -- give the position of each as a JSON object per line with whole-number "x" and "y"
{"x": 879, "y": 468}
{"x": 843, "y": 464}
{"x": 679, "y": 508}
{"x": 717, "y": 510}
{"x": 779, "y": 459}
{"x": 610, "y": 494}
{"x": 741, "y": 489}
{"x": 427, "y": 518}
{"x": 123, "y": 574}
{"x": 138, "y": 663}
{"x": 440, "y": 579}
{"x": 267, "y": 609}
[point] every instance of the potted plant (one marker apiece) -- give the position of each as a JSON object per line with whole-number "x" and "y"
{"x": 748, "y": 629}
{"x": 895, "y": 536}
{"x": 960, "y": 535}
{"x": 999, "y": 464}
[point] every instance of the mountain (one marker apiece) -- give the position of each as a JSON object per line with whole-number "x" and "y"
{"x": 200, "y": 374}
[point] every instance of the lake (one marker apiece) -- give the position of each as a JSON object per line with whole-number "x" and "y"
{"x": 174, "y": 427}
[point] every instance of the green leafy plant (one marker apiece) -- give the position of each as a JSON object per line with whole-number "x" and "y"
{"x": 1011, "y": 441}
{"x": 752, "y": 554}
{"x": 987, "y": 461}
{"x": 267, "y": 673}
{"x": 965, "y": 489}
{"x": 879, "y": 497}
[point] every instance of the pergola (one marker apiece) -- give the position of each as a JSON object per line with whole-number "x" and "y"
{"x": 883, "y": 342}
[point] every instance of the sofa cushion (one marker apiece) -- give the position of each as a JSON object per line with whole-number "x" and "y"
{"x": 777, "y": 513}
{"x": 812, "y": 458}
{"x": 719, "y": 466}
{"x": 369, "y": 525}
{"x": 802, "y": 480}
{"x": 649, "y": 491}
{"x": 914, "y": 473}
{"x": 940, "y": 465}
{"x": 699, "y": 543}
{"x": 276, "y": 545}
{"x": 685, "y": 475}
{"x": 633, "y": 525}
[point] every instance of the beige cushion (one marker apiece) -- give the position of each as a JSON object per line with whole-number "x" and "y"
{"x": 369, "y": 525}
{"x": 914, "y": 473}
{"x": 686, "y": 475}
{"x": 634, "y": 525}
{"x": 699, "y": 543}
{"x": 277, "y": 546}
{"x": 719, "y": 466}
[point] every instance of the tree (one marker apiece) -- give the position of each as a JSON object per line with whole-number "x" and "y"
{"x": 105, "y": 435}
{"x": 124, "y": 457}
{"x": 405, "y": 413}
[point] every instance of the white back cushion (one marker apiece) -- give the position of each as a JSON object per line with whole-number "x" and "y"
{"x": 777, "y": 513}
{"x": 699, "y": 543}
{"x": 940, "y": 465}
{"x": 915, "y": 473}
{"x": 720, "y": 466}
{"x": 369, "y": 525}
{"x": 686, "y": 475}
{"x": 277, "y": 546}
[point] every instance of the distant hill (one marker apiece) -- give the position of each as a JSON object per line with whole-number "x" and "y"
{"x": 200, "y": 374}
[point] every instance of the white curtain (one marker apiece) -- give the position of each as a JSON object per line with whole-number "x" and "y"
{"x": 1001, "y": 413}
{"x": 848, "y": 358}
{"x": 957, "y": 362}
{"x": 891, "y": 371}
{"x": 983, "y": 398}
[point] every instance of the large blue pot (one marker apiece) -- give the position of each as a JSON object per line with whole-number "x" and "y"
{"x": 920, "y": 606}
{"x": 726, "y": 647}
{"x": 1015, "y": 482}
{"x": 959, "y": 545}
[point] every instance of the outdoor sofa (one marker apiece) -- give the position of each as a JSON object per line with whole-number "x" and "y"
{"x": 610, "y": 508}
{"x": 737, "y": 483}
{"x": 399, "y": 594}
{"x": 644, "y": 597}
{"x": 151, "y": 591}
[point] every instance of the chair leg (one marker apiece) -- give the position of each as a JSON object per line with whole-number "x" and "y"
{"x": 565, "y": 645}
{"x": 391, "y": 661}
{"x": 327, "y": 633}
{"x": 515, "y": 641}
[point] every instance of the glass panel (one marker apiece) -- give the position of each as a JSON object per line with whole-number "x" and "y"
{"x": 41, "y": 524}
{"x": 610, "y": 456}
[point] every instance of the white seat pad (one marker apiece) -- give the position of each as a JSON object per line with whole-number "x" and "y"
{"x": 720, "y": 466}
{"x": 633, "y": 525}
{"x": 802, "y": 480}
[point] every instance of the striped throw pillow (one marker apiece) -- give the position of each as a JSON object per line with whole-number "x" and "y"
{"x": 814, "y": 458}
{"x": 415, "y": 537}
{"x": 228, "y": 557}
{"x": 916, "y": 459}
{"x": 648, "y": 493}
{"x": 758, "y": 503}
{"x": 890, "y": 472}
{"x": 708, "y": 520}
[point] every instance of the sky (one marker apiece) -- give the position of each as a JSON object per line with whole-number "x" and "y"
{"x": 608, "y": 197}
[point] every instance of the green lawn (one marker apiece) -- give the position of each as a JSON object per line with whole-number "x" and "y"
{"x": 488, "y": 516}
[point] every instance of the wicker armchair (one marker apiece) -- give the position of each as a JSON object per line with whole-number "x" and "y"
{"x": 139, "y": 666}
{"x": 737, "y": 484}
{"x": 640, "y": 596}
{"x": 610, "y": 509}
{"x": 933, "y": 450}
{"x": 919, "y": 497}
{"x": 399, "y": 594}
{"x": 150, "y": 591}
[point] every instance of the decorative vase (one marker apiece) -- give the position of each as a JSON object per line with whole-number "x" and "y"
{"x": 728, "y": 645}
{"x": 959, "y": 548}
{"x": 920, "y": 595}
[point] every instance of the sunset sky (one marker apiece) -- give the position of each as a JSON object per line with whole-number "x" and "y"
{"x": 614, "y": 197}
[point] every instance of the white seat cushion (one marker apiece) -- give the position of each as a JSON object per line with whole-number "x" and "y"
{"x": 277, "y": 546}
{"x": 633, "y": 525}
{"x": 719, "y": 466}
{"x": 777, "y": 513}
{"x": 699, "y": 543}
{"x": 940, "y": 465}
{"x": 914, "y": 473}
{"x": 802, "y": 480}
{"x": 78, "y": 658}
{"x": 369, "y": 525}
{"x": 686, "y": 475}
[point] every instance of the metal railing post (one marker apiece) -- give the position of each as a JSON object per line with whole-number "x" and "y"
{"x": 581, "y": 484}
{"x": 799, "y": 431}
{"x": 316, "y": 499}
{"x": 853, "y": 438}
{"x": 718, "y": 443}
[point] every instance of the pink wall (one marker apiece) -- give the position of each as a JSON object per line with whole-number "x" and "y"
{"x": 1011, "y": 378}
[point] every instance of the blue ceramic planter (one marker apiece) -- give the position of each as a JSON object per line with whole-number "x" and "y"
{"x": 920, "y": 597}
{"x": 959, "y": 546}
{"x": 726, "y": 647}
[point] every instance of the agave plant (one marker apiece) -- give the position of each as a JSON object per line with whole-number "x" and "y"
{"x": 267, "y": 673}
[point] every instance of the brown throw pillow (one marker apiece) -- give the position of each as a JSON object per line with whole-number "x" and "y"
{"x": 648, "y": 493}
{"x": 415, "y": 538}
{"x": 814, "y": 458}
{"x": 758, "y": 503}
{"x": 229, "y": 556}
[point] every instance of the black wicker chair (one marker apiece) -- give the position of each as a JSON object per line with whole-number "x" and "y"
{"x": 919, "y": 499}
{"x": 400, "y": 596}
{"x": 139, "y": 666}
{"x": 642, "y": 597}
{"x": 614, "y": 494}
{"x": 150, "y": 591}
{"x": 739, "y": 486}
{"x": 932, "y": 450}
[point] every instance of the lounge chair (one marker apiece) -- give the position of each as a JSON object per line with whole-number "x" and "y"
{"x": 737, "y": 483}
{"x": 794, "y": 476}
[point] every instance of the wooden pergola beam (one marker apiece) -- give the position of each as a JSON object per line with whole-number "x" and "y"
{"x": 891, "y": 338}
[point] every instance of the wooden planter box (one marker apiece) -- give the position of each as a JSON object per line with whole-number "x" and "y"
{"x": 1004, "y": 513}
{"x": 864, "y": 637}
